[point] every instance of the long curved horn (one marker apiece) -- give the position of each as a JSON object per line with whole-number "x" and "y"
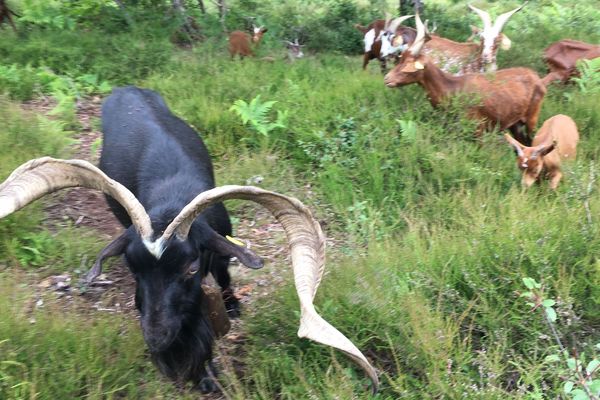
{"x": 417, "y": 45}
{"x": 396, "y": 23}
{"x": 388, "y": 18}
{"x": 514, "y": 143}
{"x": 307, "y": 244}
{"x": 502, "y": 19}
{"x": 45, "y": 175}
{"x": 485, "y": 17}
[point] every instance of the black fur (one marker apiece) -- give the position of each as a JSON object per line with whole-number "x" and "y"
{"x": 165, "y": 164}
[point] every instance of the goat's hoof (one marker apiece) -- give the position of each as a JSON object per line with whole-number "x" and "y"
{"x": 207, "y": 385}
{"x": 233, "y": 308}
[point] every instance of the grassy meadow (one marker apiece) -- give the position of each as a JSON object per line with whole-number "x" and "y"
{"x": 434, "y": 237}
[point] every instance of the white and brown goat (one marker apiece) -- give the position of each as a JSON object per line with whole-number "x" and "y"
{"x": 242, "y": 43}
{"x": 458, "y": 57}
{"x": 384, "y": 39}
{"x": 555, "y": 142}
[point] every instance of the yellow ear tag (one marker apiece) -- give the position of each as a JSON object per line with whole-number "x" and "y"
{"x": 235, "y": 241}
{"x": 418, "y": 65}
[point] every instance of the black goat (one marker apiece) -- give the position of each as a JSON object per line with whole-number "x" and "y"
{"x": 165, "y": 164}
{"x": 160, "y": 181}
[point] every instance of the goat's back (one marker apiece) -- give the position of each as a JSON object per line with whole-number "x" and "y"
{"x": 451, "y": 56}
{"x": 239, "y": 43}
{"x": 563, "y": 130}
{"x": 144, "y": 144}
{"x": 509, "y": 95}
{"x": 563, "y": 55}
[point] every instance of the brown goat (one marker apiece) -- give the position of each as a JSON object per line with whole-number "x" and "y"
{"x": 555, "y": 142}
{"x": 461, "y": 58}
{"x": 507, "y": 99}
{"x": 241, "y": 42}
{"x": 562, "y": 58}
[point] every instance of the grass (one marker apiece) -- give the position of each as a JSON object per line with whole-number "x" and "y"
{"x": 434, "y": 235}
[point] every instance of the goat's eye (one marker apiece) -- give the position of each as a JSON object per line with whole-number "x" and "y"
{"x": 193, "y": 267}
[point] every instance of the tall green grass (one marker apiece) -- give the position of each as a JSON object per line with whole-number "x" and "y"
{"x": 434, "y": 234}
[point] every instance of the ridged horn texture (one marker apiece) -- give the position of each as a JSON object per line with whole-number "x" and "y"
{"x": 307, "y": 245}
{"x": 45, "y": 175}
{"x": 397, "y": 21}
{"x": 416, "y": 47}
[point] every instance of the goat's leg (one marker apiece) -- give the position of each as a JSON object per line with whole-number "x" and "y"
{"x": 383, "y": 65}
{"x": 519, "y": 132}
{"x": 366, "y": 59}
{"x": 555, "y": 179}
{"x": 217, "y": 266}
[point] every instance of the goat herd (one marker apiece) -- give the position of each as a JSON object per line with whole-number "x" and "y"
{"x": 158, "y": 179}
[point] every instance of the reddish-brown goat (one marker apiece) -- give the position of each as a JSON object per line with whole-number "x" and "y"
{"x": 555, "y": 142}
{"x": 562, "y": 58}
{"x": 461, "y": 58}
{"x": 507, "y": 99}
{"x": 241, "y": 42}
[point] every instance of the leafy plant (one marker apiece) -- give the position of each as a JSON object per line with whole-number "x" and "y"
{"x": 589, "y": 81}
{"x": 580, "y": 383}
{"x": 256, "y": 113}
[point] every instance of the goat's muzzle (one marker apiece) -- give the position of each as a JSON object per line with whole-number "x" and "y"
{"x": 390, "y": 81}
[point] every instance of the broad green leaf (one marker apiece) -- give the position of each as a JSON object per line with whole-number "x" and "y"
{"x": 568, "y": 387}
{"x": 529, "y": 283}
{"x": 572, "y": 364}
{"x": 548, "y": 303}
{"x": 551, "y": 314}
{"x": 592, "y": 365}
{"x": 579, "y": 394}
{"x": 552, "y": 358}
{"x": 595, "y": 386}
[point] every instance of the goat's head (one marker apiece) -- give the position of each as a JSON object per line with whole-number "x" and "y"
{"x": 159, "y": 261}
{"x": 392, "y": 41}
{"x": 294, "y": 49}
{"x": 412, "y": 63}
{"x": 530, "y": 160}
{"x": 257, "y": 33}
{"x": 491, "y": 36}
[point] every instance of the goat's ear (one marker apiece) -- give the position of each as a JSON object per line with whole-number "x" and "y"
{"x": 419, "y": 65}
{"x": 263, "y": 30}
{"x": 548, "y": 149}
{"x": 505, "y": 42}
{"x": 226, "y": 247}
{"x": 114, "y": 248}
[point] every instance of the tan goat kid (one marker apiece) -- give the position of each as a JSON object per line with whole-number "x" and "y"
{"x": 555, "y": 142}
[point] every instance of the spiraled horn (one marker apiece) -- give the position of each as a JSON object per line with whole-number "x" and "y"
{"x": 307, "y": 245}
{"x": 45, "y": 175}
